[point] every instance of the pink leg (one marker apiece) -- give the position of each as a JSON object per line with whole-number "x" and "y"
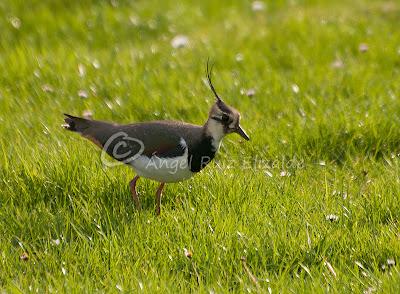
{"x": 135, "y": 196}
{"x": 158, "y": 198}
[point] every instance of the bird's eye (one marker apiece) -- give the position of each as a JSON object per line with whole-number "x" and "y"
{"x": 224, "y": 117}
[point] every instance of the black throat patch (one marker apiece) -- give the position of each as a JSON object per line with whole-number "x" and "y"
{"x": 201, "y": 155}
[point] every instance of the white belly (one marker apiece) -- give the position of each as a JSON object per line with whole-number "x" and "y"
{"x": 165, "y": 170}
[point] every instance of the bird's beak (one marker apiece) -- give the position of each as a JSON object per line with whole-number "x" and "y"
{"x": 242, "y": 133}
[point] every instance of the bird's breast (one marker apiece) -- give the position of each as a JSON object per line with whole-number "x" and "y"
{"x": 201, "y": 154}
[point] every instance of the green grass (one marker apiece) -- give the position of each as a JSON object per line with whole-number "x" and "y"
{"x": 337, "y": 140}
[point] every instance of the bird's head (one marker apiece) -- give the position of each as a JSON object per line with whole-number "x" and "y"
{"x": 222, "y": 119}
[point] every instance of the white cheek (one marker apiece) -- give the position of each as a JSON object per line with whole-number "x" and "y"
{"x": 232, "y": 125}
{"x": 216, "y": 130}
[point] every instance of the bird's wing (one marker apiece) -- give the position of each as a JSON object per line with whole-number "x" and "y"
{"x": 162, "y": 138}
{"x": 124, "y": 142}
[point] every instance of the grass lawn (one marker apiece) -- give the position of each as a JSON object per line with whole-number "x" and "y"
{"x": 310, "y": 204}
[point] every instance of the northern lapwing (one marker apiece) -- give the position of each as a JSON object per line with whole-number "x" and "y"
{"x": 164, "y": 151}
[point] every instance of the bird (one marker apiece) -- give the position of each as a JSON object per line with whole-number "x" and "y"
{"x": 164, "y": 151}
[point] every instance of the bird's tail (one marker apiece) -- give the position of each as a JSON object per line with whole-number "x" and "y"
{"x": 96, "y": 131}
{"x": 76, "y": 124}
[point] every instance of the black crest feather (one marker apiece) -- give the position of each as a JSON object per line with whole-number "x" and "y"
{"x": 209, "y": 74}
